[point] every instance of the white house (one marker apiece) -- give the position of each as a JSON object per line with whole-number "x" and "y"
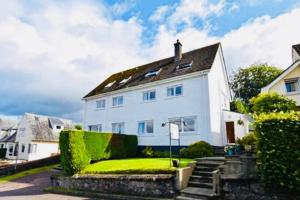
{"x": 189, "y": 89}
{"x": 8, "y": 129}
{"x": 37, "y": 136}
{"x": 288, "y": 83}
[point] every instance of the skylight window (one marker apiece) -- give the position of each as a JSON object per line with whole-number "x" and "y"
{"x": 110, "y": 84}
{"x": 125, "y": 80}
{"x": 153, "y": 73}
{"x": 185, "y": 65}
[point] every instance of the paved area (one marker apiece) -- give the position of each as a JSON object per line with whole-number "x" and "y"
{"x": 31, "y": 188}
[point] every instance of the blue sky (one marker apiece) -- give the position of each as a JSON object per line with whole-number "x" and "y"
{"x": 54, "y": 52}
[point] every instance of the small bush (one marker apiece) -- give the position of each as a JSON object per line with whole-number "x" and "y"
{"x": 197, "y": 150}
{"x": 148, "y": 152}
{"x": 249, "y": 139}
{"x": 278, "y": 142}
{"x": 74, "y": 156}
{"x": 3, "y": 152}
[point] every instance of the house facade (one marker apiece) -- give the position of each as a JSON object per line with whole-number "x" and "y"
{"x": 37, "y": 136}
{"x": 190, "y": 90}
{"x": 288, "y": 83}
{"x": 8, "y": 131}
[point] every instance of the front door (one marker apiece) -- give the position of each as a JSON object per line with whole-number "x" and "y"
{"x": 230, "y": 132}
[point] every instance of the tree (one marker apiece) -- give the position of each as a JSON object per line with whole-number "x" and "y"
{"x": 272, "y": 102}
{"x": 247, "y": 82}
{"x": 238, "y": 105}
{"x": 78, "y": 127}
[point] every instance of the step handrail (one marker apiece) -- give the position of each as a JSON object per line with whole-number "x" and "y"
{"x": 216, "y": 181}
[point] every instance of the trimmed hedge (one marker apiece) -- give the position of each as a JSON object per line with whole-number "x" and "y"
{"x": 109, "y": 146}
{"x": 197, "y": 150}
{"x": 74, "y": 156}
{"x": 3, "y": 152}
{"x": 79, "y": 147}
{"x": 278, "y": 148}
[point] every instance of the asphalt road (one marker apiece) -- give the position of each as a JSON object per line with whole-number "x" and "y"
{"x": 31, "y": 188}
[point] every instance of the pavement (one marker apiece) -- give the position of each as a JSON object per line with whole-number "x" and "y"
{"x": 31, "y": 188}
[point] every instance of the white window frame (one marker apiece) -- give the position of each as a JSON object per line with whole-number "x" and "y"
{"x": 11, "y": 146}
{"x": 294, "y": 80}
{"x": 145, "y": 131}
{"x": 22, "y": 132}
{"x": 100, "y": 104}
{"x": 118, "y": 101}
{"x": 119, "y": 130}
{"x": 95, "y": 127}
{"x": 148, "y": 95}
{"x": 181, "y": 125}
{"x": 174, "y": 91}
{"x": 32, "y": 148}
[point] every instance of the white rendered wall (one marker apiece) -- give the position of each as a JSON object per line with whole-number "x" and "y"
{"x": 43, "y": 150}
{"x": 193, "y": 102}
{"x": 240, "y": 130}
{"x": 24, "y": 139}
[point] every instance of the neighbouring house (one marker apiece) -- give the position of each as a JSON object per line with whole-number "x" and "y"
{"x": 189, "y": 89}
{"x": 8, "y": 131}
{"x": 37, "y": 136}
{"x": 288, "y": 82}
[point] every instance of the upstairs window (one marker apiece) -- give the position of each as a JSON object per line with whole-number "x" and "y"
{"x": 22, "y": 132}
{"x": 118, "y": 127}
{"x": 292, "y": 85}
{"x": 145, "y": 127}
{"x": 125, "y": 80}
{"x": 117, "y": 101}
{"x": 152, "y": 73}
{"x": 149, "y": 95}
{"x": 95, "y": 128}
{"x": 110, "y": 84}
{"x": 174, "y": 91}
{"x": 100, "y": 104}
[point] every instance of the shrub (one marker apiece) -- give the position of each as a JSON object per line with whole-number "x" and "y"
{"x": 278, "y": 142}
{"x": 109, "y": 146}
{"x": 272, "y": 102}
{"x": 74, "y": 156}
{"x": 148, "y": 152}
{"x": 249, "y": 139}
{"x": 3, "y": 152}
{"x": 197, "y": 150}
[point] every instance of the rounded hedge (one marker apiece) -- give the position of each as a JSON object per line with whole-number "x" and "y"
{"x": 197, "y": 150}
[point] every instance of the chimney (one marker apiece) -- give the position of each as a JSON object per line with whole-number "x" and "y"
{"x": 178, "y": 52}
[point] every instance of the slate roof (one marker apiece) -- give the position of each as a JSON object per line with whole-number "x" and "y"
{"x": 297, "y": 48}
{"x": 11, "y": 138}
{"x": 6, "y": 124}
{"x": 41, "y": 127}
{"x": 202, "y": 59}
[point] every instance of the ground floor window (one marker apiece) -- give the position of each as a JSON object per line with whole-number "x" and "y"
{"x": 185, "y": 124}
{"x": 96, "y": 127}
{"x": 23, "y": 148}
{"x": 1, "y": 146}
{"x": 145, "y": 127}
{"x": 32, "y": 148}
{"x": 11, "y": 150}
{"x": 118, "y": 127}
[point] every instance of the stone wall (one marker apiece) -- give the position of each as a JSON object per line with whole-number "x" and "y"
{"x": 139, "y": 185}
{"x": 249, "y": 189}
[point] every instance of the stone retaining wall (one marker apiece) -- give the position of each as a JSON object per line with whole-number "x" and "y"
{"x": 140, "y": 185}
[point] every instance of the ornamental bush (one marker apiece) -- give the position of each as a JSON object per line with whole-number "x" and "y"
{"x": 272, "y": 102}
{"x": 249, "y": 139}
{"x": 109, "y": 146}
{"x": 278, "y": 148}
{"x": 197, "y": 150}
{"x": 74, "y": 156}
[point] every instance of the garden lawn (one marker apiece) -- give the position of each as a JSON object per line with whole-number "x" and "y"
{"x": 134, "y": 166}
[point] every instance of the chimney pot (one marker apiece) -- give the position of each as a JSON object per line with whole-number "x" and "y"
{"x": 178, "y": 52}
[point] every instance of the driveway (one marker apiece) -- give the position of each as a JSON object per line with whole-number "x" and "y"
{"x": 31, "y": 187}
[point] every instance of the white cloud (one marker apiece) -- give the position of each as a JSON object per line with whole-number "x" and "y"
{"x": 160, "y": 13}
{"x": 234, "y": 8}
{"x": 120, "y": 8}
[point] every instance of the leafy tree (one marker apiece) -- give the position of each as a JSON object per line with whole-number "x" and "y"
{"x": 272, "y": 102}
{"x": 78, "y": 127}
{"x": 239, "y": 106}
{"x": 247, "y": 82}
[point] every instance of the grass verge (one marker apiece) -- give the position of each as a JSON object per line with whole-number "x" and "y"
{"x": 5, "y": 179}
{"x": 134, "y": 166}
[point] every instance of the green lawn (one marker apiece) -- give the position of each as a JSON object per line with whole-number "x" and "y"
{"x": 134, "y": 166}
{"x": 5, "y": 179}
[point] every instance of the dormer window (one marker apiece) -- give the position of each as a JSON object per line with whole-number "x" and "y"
{"x": 185, "y": 66}
{"x": 110, "y": 84}
{"x": 153, "y": 73}
{"x": 125, "y": 80}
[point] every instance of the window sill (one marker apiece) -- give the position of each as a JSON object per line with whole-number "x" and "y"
{"x": 97, "y": 109}
{"x": 117, "y": 106}
{"x": 173, "y": 97}
{"x": 149, "y": 101}
{"x": 292, "y": 93}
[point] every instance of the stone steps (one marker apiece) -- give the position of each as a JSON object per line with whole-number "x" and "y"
{"x": 200, "y": 184}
